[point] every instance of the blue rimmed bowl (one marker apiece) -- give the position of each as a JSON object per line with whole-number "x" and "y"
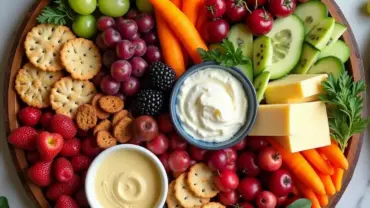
{"x": 251, "y": 111}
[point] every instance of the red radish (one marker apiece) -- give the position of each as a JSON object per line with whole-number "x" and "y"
{"x": 249, "y": 188}
{"x": 259, "y": 22}
{"x": 269, "y": 159}
{"x": 247, "y": 164}
{"x": 228, "y": 198}
{"x": 266, "y": 199}
{"x": 281, "y": 183}
{"x": 282, "y": 8}
{"x": 215, "y": 8}
{"x": 227, "y": 181}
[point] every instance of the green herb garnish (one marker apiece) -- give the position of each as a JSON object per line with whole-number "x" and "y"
{"x": 345, "y": 105}
{"x": 227, "y": 55}
{"x": 4, "y": 202}
{"x": 301, "y": 203}
{"x": 60, "y": 13}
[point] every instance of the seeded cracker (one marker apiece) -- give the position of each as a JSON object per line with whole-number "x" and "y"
{"x": 43, "y": 44}
{"x": 171, "y": 200}
{"x": 105, "y": 140}
{"x": 34, "y": 85}
{"x": 200, "y": 180}
{"x": 81, "y": 58}
{"x": 213, "y": 205}
{"x": 99, "y": 112}
{"x": 184, "y": 195}
{"x": 68, "y": 94}
{"x": 86, "y": 117}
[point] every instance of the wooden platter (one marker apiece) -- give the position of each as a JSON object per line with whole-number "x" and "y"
{"x": 11, "y": 102}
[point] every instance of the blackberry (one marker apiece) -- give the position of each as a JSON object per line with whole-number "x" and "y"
{"x": 148, "y": 102}
{"x": 162, "y": 77}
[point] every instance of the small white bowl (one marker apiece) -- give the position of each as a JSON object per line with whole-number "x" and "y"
{"x": 91, "y": 173}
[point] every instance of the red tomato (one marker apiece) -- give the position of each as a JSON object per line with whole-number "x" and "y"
{"x": 235, "y": 10}
{"x": 259, "y": 22}
{"x": 282, "y": 8}
{"x": 253, "y": 4}
{"x": 281, "y": 183}
{"x": 228, "y": 198}
{"x": 215, "y": 8}
{"x": 227, "y": 181}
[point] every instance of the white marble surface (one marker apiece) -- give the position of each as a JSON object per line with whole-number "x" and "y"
{"x": 12, "y": 13}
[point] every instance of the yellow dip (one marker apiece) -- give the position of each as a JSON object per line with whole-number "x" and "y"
{"x": 128, "y": 179}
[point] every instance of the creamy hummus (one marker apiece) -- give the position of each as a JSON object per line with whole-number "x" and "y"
{"x": 128, "y": 179}
{"x": 212, "y": 105}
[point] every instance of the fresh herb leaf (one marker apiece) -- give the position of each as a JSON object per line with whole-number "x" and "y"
{"x": 60, "y": 13}
{"x": 4, "y": 202}
{"x": 227, "y": 55}
{"x": 301, "y": 203}
{"x": 345, "y": 105}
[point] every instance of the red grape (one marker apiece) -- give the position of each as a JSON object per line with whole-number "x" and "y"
{"x": 150, "y": 38}
{"x": 99, "y": 77}
{"x": 217, "y": 30}
{"x": 164, "y": 160}
{"x": 228, "y": 198}
{"x": 241, "y": 145}
{"x": 125, "y": 49}
{"x": 109, "y": 85}
{"x": 140, "y": 47}
{"x": 217, "y": 160}
{"x": 158, "y": 145}
{"x": 108, "y": 58}
{"x": 130, "y": 87}
{"x": 281, "y": 183}
{"x": 215, "y": 8}
{"x": 165, "y": 123}
{"x": 227, "y": 181}
{"x": 111, "y": 37}
{"x": 121, "y": 70}
{"x": 153, "y": 54}
{"x": 120, "y": 95}
{"x": 105, "y": 22}
{"x": 247, "y": 164}
{"x": 249, "y": 188}
{"x": 179, "y": 161}
{"x": 100, "y": 42}
{"x": 145, "y": 22}
{"x": 177, "y": 143}
{"x": 197, "y": 153}
{"x": 135, "y": 36}
{"x": 266, "y": 199}
{"x": 231, "y": 155}
{"x": 131, "y": 14}
{"x": 257, "y": 143}
{"x": 127, "y": 28}
{"x": 269, "y": 159}
{"x": 231, "y": 167}
{"x": 139, "y": 66}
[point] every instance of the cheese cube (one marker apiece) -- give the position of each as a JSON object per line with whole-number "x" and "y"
{"x": 295, "y": 88}
{"x": 304, "y": 142}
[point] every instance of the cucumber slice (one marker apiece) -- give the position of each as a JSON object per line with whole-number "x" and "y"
{"x": 338, "y": 31}
{"x": 241, "y": 37}
{"x": 287, "y": 38}
{"x": 247, "y": 70}
{"x": 262, "y": 54}
{"x": 339, "y": 49}
{"x": 260, "y": 84}
{"x": 308, "y": 58}
{"x": 320, "y": 35}
{"x": 328, "y": 65}
{"x": 311, "y": 13}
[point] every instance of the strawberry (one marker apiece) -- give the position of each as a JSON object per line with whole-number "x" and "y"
{"x": 80, "y": 163}
{"x": 40, "y": 173}
{"x": 65, "y": 201}
{"x": 64, "y": 126}
{"x": 63, "y": 170}
{"x": 90, "y": 147}
{"x": 45, "y": 119}
{"x": 33, "y": 157}
{"x": 83, "y": 177}
{"x": 164, "y": 123}
{"x": 24, "y": 138}
{"x": 81, "y": 198}
{"x": 49, "y": 145}
{"x": 71, "y": 148}
{"x": 54, "y": 191}
{"x": 29, "y": 116}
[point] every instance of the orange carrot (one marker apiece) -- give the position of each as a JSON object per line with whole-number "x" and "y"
{"x": 171, "y": 47}
{"x": 178, "y": 3}
{"x": 328, "y": 183}
{"x": 317, "y": 161}
{"x": 300, "y": 168}
{"x": 183, "y": 28}
{"x": 337, "y": 178}
{"x": 335, "y": 156}
{"x": 307, "y": 193}
{"x": 191, "y": 9}
{"x": 323, "y": 200}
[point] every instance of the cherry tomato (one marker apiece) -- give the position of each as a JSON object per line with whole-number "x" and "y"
{"x": 231, "y": 155}
{"x": 158, "y": 145}
{"x": 257, "y": 143}
{"x": 227, "y": 181}
{"x": 241, "y": 145}
{"x": 217, "y": 160}
{"x": 256, "y": 3}
{"x": 179, "y": 161}
{"x": 217, "y": 30}
{"x": 282, "y": 8}
{"x": 197, "y": 154}
{"x": 228, "y": 198}
{"x": 247, "y": 164}
{"x": 249, "y": 188}
{"x": 231, "y": 167}
{"x": 176, "y": 142}
{"x": 215, "y": 8}
{"x": 259, "y": 22}
{"x": 269, "y": 159}
{"x": 281, "y": 183}
{"x": 266, "y": 199}
{"x": 235, "y": 10}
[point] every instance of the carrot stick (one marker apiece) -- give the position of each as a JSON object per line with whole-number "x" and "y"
{"x": 183, "y": 28}
{"x": 323, "y": 200}
{"x": 300, "y": 168}
{"x": 337, "y": 178}
{"x": 307, "y": 193}
{"x": 317, "y": 161}
{"x": 178, "y": 3}
{"x": 191, "y": 9}
{"x": 171, "y": 47}
{"x": 328, "y": 183}
{"x": 335, "y": 156}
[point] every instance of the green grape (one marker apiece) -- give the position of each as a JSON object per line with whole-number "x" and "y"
{"x": 84, "y": 26}
{"x": 83, "y": 7}
{"x": 144, "y": 5}
{"x": 114, "y": 8}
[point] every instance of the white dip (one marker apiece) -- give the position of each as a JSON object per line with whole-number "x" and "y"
{"x": 212, "y": 105}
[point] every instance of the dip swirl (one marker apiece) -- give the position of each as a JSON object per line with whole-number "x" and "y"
{"x": 212, "y": 105}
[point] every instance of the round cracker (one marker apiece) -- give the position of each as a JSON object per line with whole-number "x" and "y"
{"x": 213, "y": 205}
{"x": 111, "y": 104}
{"x": 81, "y": 58}
{"x": 105, "y": 125}
{"x": 185, "y": 196}
{"x": 86, "y": 117}
{"x": 119, "y": 116}
{"x": 99, "y": 112}
{"x": 123, "y": 130}
{"x": 200, "y": 180}
{"x": 171, "y": 200}
{"x": 34, "y": 85}
{"x": 104, "y": 139}
{"x": 43, "y": 44}
{"x": 68, "y": 94}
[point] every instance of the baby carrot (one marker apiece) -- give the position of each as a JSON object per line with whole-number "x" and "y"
{"x": 323, "y": 200}
{"x": 337, "y": 178}
{"x": 191, "y": 9}
{"x": 335, "y": 156}
{"x": 317, "y": 161}
{"x": 307, "y": 193}
{"x": 178, "y": 3}
{"x": 328, "y": 183}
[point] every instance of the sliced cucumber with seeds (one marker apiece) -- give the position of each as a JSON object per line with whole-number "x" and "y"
{"x": 309, "y": 56}
{"x": 262, "y": 54}
{"x": 339, "y": 49}
{"x": 338, "y": 31}
{"x": 311, "y": 13}
{"x": 328, "y": 65}
{"x": 260, "y": 84}
{"x": 287, "y": 37}
{"x": 241, "y": 37}
{"x": 247, "y": 70}
{"x": 320, "y": 35}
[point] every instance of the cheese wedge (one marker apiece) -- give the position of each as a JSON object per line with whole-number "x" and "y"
{"x": 295, "y": 88}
